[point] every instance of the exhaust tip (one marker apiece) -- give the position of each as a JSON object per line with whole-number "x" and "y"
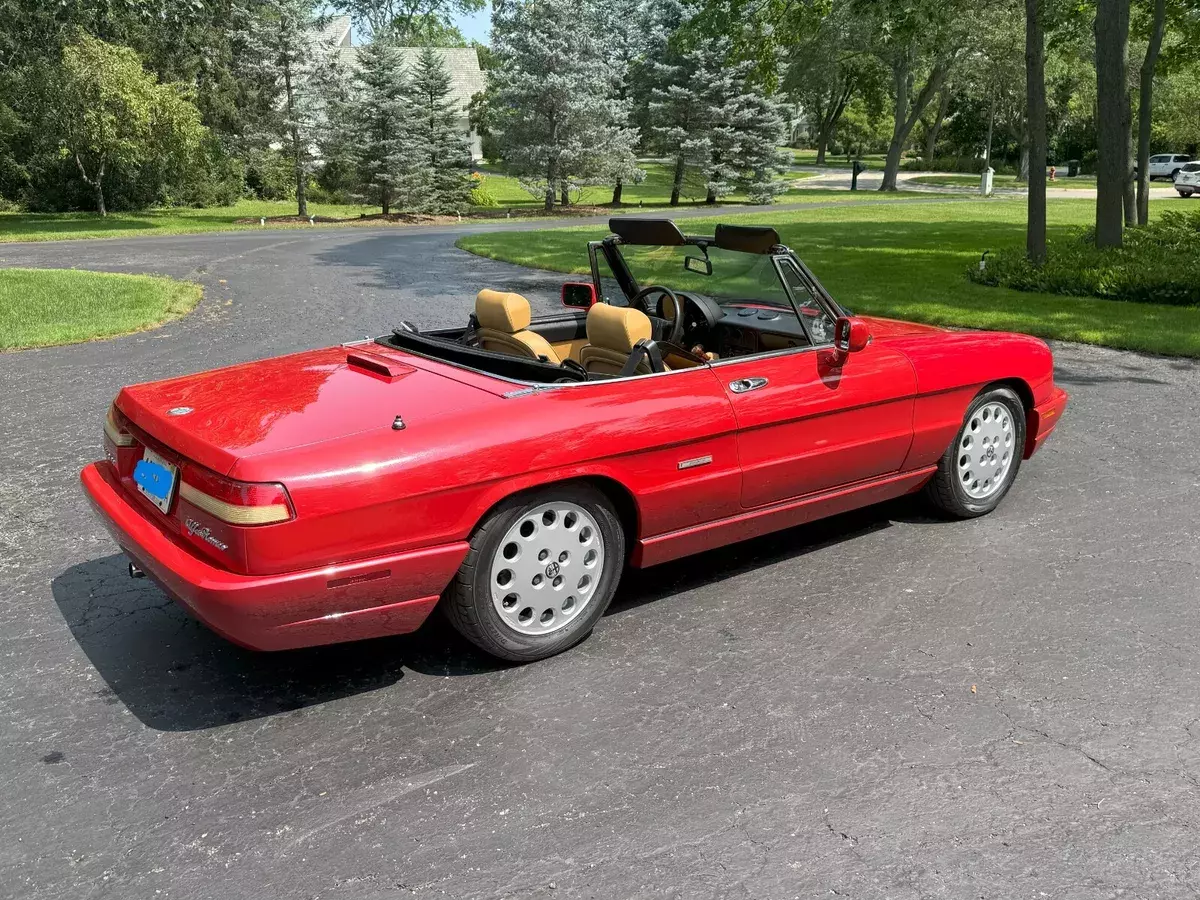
{"x": 135, "y": 572}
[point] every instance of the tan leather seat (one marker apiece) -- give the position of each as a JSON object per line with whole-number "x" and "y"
{"x": 503, "y": 326}
{"x": 612, "y": 332}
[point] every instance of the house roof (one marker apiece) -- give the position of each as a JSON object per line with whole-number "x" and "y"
{"x": 466, "y": 78}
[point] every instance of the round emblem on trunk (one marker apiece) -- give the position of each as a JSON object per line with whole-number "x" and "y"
{"x": 179, "y": 411}
{"x": 552, "y": 570}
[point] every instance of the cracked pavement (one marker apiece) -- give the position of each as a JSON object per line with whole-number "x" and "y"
{"x": 878, "y": 705}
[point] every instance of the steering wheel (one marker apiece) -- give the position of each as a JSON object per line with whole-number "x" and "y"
{"x": 638, "y": 301}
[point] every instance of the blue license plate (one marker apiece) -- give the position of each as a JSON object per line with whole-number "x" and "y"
{"x": 155, "y": 478}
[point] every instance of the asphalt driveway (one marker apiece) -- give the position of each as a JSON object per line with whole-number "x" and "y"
{"x": 881, "y": 705}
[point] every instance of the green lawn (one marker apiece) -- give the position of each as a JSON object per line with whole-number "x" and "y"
{"x": 809, "y": 158}
{"x": 1079, "y": 182}
{"x": 655, "y": 190}
{"x": 908, "y": 261}
{"x": 70, "y": 226}
{"x": 44, "y": 307}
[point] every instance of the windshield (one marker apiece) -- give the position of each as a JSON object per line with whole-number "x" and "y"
{"x": 736, "y": 277}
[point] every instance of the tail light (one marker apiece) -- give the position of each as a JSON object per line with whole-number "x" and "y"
{"x": 114, "y": 428}
{"x": 235, "y": 502}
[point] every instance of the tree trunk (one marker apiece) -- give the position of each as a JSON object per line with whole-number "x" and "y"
{"x": 566, "y": 197}
{"x": 677, "y": 184}
{"x": 617, "y": 189}
{"x": 1129, "y": 195}
{"x": 1145, "y": 97}
{"x": 711, "y": 197}
{"x": 1112, "y": 119}
{"x": 297, "y": 150}
{"x": 987, "y": 152}
{"x": 935, "y": 129}
{"x": 551, "y": 182}
{"x": 97, "y": 184}
{"x": 830, "y": 119}
{"x": 1023, "y": 167}
{"x": 386, "y": 202}
{"x": 1035, "y": 150}
{"x": 906, "y": 114}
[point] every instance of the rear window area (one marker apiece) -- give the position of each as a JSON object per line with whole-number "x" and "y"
{"x": 1192, "y": 167}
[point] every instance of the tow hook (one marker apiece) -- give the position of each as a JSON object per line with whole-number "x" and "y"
{"x": 135, "y": 572}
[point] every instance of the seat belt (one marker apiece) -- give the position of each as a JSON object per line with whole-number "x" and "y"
{"x": 643, "y": 349}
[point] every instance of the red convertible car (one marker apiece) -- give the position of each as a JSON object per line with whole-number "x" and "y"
{"x": 695, "y": 391}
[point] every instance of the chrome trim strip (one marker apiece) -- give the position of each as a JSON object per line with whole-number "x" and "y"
{"x": 693, "y": 463}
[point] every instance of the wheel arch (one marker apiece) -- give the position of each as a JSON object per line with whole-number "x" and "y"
{"x": 622, "y": 498}
{"x": 1021, "y": 388}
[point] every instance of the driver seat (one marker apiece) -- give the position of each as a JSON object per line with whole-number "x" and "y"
{"x": 612, "y": 333}
{"x": 504, "y": 327}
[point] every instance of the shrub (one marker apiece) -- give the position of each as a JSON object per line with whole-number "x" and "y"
{"x": 967, "y": 165}
{"x": 480, "y": 195}
{"x": 1158, "y": 264}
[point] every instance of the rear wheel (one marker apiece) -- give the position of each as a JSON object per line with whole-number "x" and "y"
{"x": 541, "y": 570}
{"x": 981, "y": 464}
{"x": 1184, "y": 194}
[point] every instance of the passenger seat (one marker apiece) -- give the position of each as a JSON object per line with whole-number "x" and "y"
{"x": 503, "y": 327}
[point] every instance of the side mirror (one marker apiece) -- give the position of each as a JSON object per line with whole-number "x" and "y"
{"x": 850, "y": 334}
{"x": 578, "y": 295}
{"x": 701, "y": 265}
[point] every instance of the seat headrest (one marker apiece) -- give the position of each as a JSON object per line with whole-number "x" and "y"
{"x": 617, "y": 327}
{"x": 501, "y": 311}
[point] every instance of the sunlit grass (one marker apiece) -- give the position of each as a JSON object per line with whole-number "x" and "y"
{"x": 43, "y": 307}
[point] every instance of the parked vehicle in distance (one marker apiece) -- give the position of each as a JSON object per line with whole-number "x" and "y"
{"x": 1187, "y": 182}
{"x": 1166, "y": 165}
{"x": 694, "y": 392}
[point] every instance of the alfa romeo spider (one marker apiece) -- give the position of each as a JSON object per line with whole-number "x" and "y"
{"x": 694, "y": 391}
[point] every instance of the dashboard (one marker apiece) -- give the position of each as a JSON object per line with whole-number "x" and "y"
{"x": 741, "y": 328}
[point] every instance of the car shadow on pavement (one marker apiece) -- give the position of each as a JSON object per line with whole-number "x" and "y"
{"x": 713, "y": 566}
{"x": 174, "y": 674}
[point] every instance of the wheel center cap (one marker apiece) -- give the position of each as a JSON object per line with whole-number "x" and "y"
{"x": 552, "y": 570}
{"x": 991, "y": 453}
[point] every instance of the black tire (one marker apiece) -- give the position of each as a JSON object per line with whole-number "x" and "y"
{"x": 468, "y": 601}
{"x": 946, "y": 490}
{"x": 1185, "y": 194}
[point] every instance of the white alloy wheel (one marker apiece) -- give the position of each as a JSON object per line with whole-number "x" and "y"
{"x": 985, "y": 451}
{"x": 546, "y": 568}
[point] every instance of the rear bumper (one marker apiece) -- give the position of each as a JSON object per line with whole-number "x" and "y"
{"x": 363, "y": 599}
{"x": 1043, "y": 420}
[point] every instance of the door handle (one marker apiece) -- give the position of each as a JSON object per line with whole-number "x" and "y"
{"x": 743, "y": 385}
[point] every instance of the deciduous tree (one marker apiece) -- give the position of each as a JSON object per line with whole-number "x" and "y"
{"x": 1113, "y": 165}
{"x": 109, "y": 112}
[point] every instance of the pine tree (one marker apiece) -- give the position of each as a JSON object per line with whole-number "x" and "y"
{"x": 281, "y": 52}
{"x": 555, "y": 107}
{"x": 441, "y": 177}
{"x": 380, "y": 121}
{"x": 707, "y": 114}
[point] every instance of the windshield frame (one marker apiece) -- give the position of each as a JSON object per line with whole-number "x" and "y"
{"x": 610, "y": 247}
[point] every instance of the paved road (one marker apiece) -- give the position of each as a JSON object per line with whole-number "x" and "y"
{"x": 881, "y": 705}
{"x": 838, "y": 178}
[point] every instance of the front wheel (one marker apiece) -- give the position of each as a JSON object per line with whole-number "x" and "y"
{"x": 1185, "y": 194}
{"x": 981, "y": 464}
{"x": 542, "y": 568}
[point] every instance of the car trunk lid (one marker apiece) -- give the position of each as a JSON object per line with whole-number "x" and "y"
{"x": 219, "y": 417}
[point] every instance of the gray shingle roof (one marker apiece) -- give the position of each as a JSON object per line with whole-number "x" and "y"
{"x": 466, "y": 78}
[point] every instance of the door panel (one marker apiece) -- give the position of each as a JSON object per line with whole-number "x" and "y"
{"x": 815, "y": 425}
